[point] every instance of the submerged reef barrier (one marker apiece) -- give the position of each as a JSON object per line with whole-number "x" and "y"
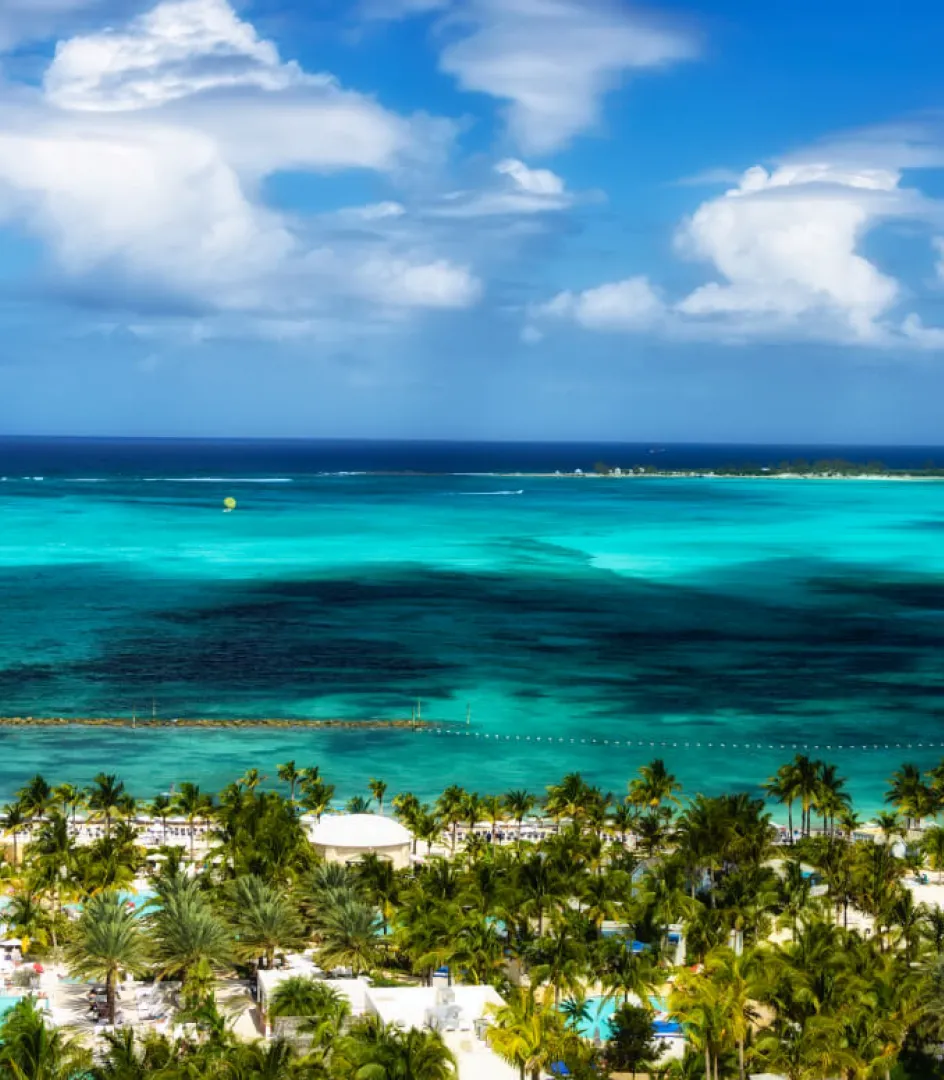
{"x": 372, "y": 723}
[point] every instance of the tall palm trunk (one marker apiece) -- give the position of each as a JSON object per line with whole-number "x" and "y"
{"x": 111, "y": 996}
{"x": 741, "y": 1073}
{"x": 790, "y": 819}
{"x": 707, "y": 1064}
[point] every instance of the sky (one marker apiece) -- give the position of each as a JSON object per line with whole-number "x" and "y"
{"x": 473, "y": 219}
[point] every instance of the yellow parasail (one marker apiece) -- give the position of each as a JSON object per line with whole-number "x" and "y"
{"x": 229, "y": 504}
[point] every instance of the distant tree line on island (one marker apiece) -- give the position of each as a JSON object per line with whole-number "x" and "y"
{"x": 799, "y": 467}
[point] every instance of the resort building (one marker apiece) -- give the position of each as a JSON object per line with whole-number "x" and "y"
{"x": 459, "y": 1013}
{"x": 347, "y": 838}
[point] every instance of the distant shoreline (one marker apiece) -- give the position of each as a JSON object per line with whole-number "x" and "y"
{"x": 708, "y": 474}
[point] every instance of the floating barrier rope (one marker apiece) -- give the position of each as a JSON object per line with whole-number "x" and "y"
{"x": 666, "y": 744}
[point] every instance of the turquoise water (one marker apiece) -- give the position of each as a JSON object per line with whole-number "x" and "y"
{"x": 600, "y": 1012}
{"x": 10, "y": 1002}
{"x": 721, "y": 624}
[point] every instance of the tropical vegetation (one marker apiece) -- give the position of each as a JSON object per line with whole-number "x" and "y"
{"x": 802, "y": 951}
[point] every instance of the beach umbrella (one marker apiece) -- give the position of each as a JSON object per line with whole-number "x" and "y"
{"x": 229, "y": 503}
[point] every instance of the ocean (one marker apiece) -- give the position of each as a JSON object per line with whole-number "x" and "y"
{"x": 579, "y": 624}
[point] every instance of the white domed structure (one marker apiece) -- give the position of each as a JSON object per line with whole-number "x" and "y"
{"x": 346, "y": 838}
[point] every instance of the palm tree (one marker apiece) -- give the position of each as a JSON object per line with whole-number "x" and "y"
{"x": 107, "y": 798}
{"x": 559, "y": 959}
{"x": 519, "y": 803}
{"x": 424, "y": 926}
{"x": 194, "y": 805}
{"x": 493, "y": 806}
{"x": 540, "y": 888}
{"x": 571, "y": 798}
{"x": 576, "y": 1011}
{"x": 405, "y": 805}
{"x": 264, "y": 920}
{"x": 317, "y": 1009}
{"x": 909, "y": 794}
{"x": 807, "y": 784}
{"x": 795, "y": 890}
{"x": 27, "y": 919}
{"x": 426, "y": 826}
{"x": 654, "y": 786}
{"x": 357, "y": 804}
{"x": 381, "y": 882}
{"x": 478, "y": 950}
{"x": 160, "y": 809}
{"x": 378, "y": 789}
{"x": 625, "y": 973}
{"x": 375, "y": 1051}
{"x": 31, "y": 1050}
{"x": 261, "y": 1061}
{"x": 807, "y": 1052}
{"x": 251, "y": 779}
{"x": 349, "y": 933}
{"x": 53, "y": 856}
{"x": 288, "y": 774}
{"x": 108, "y": 942}
{"x": 933, "y": 845}
{"x": 316, "y": 795}
{"x": 14, "y": 821}
{"x": 621, "y": 821}
{"x": 830, "y": 800}
{"x": 890, "y": 826}
{"x": 184, "y": 931}
{"x": 529, "y": 1036}
{"x": 451, "y": 807}
{"x": 70, "y": 799}
{"x": 302, "y": 995}
{"x": 737, "y": 979}
{"x": 785, "y": 788}
{"x": 35, "y": 797}
{"x": 698, "y": 1005}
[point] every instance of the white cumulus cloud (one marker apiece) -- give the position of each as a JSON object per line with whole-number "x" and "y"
{"x": 786, "y": 245}
{"x": 786, "y": 248}
{"x": 142, "y": 163}
{"x": 552, "y": 61}
{"x": 179, "y": 48}
{"x": 532, "y": 181}
{"x": 520, "y": 191}
{"x": 632, "y": 304}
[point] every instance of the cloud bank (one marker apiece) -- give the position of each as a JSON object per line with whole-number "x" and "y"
{"x": 785, "y": 247}
{"x": 143, "y": 154}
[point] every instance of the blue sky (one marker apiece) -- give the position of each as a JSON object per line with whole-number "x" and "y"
{"x": 472, "y": 219}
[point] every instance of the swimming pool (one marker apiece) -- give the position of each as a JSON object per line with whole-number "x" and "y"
{"x": 600, "y": 1010}
{"x": 10, "y": 1001}
{"x": 136, "y": 900}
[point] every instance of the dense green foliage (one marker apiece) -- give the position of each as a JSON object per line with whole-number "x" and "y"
{"x": 804, "y": 954}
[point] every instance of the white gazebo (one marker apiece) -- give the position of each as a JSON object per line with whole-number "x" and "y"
{"x": 346, "y": 838}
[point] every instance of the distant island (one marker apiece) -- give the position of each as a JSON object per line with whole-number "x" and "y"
{"x": 800, "y": 469}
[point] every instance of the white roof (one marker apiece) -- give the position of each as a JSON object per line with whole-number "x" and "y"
{"x": 407, "y": 1005}
{"x": 359, "y": 831}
